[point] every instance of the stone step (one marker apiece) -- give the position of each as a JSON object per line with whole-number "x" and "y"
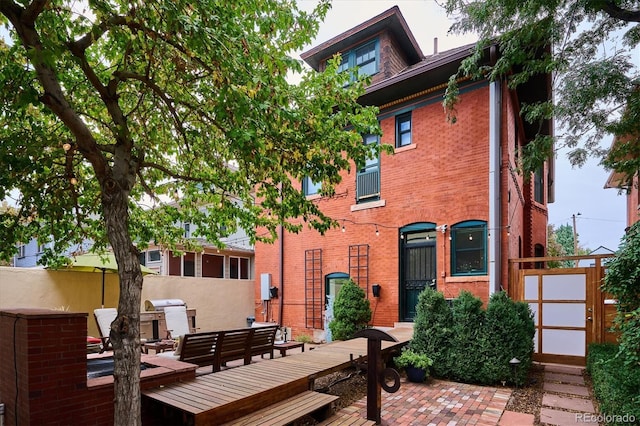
{"x": 563, "y": 378}
{"x": 576, "y": 404}
{"x": 564, "y": 369}
{"x": 512, "y": 418}
{"x": 569, "y": 389}
{"x": 561, "y": 418}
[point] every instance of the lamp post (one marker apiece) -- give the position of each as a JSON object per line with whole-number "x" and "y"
{"x": 514, "y": 363}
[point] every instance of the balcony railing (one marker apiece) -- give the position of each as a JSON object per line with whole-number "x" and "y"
{"x": 368, "y": 185}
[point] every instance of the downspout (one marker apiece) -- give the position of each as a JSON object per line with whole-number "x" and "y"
{"x": 281, "y": 277}
{"x": 495, "y": 228}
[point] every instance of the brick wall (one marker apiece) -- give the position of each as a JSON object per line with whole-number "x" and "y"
{"x": 441, "y": 178}
{"x": 45, "y": 382}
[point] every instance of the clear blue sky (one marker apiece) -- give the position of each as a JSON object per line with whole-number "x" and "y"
{"x": 602, "y": 212}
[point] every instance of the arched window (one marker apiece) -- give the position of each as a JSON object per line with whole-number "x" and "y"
{"x": 469, "y": 248}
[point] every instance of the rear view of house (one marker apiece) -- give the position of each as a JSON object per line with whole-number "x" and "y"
{"x": 446, "y": 210}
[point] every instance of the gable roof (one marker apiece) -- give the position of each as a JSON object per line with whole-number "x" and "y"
{"x": 390, "y": 20}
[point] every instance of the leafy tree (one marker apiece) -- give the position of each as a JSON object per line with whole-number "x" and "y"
{"x": 596, "y": 80}
{"x": 351, "y": 311}
{"x": 560, "y": 243}
{"x": 111, "y": 107}
{"x": 623, "y": 282}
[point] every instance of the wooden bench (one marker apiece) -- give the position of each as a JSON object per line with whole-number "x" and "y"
{"x": 244, "y": 343}
{"x": 216, "y": 348}
{"x": 289, "y": 410}
{"x": 197, "y": 348}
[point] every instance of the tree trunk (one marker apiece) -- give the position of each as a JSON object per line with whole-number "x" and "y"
{"x": 125, "y": 330}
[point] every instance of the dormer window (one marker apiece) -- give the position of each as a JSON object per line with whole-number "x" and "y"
{"x": 365, "y": 57}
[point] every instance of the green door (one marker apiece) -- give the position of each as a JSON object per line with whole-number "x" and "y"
{"x": 418, "y": 269}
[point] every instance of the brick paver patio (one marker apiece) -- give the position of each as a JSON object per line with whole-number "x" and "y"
{"x": 439, "y": 402}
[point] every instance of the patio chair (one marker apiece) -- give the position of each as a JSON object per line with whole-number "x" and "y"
{"x": 177, "y": 321}
{"x": 104, "y": 317}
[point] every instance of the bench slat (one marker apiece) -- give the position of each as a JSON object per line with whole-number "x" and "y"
{"x": 286, "y": 411}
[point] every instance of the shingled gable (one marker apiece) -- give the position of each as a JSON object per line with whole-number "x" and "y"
{"x": 390, "y": 21}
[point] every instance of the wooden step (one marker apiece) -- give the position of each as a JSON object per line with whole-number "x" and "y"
{"x": 346, "y": 419}
{"x": 288, "y": 410}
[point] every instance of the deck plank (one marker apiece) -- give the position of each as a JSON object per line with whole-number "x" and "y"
{"x": 238, "y": 391}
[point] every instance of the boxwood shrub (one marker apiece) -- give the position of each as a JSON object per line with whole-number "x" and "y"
{"x": 616, "y": 383}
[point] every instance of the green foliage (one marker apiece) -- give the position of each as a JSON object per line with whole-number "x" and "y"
{"x": 121, "y": 121}
{"x": 432, "y": 330}
{"x": 616, "y": 382}
{"x": 471, "y": 345}
{"x": 411, "y": 358}
{"x": 622, "y": 281}
{"x": 507, "y": 333}
{"x": 351, "y": 312}
{"x": 304, "y": 338}
{"x": 466, "y": 342}
{"x": 587, "y": 46}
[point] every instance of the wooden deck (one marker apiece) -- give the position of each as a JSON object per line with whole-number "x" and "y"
{"x": 227, "y": 395}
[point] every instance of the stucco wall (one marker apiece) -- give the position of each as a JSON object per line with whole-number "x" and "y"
{"x": 219, "y": 303}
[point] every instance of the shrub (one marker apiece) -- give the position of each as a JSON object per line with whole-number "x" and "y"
{"x": 621, "y": 280}
{"x": 616, "y": 382}
{"x": 469, "y": 344}
{"x": 432, "y": 330}
{"x": 466, "y": 345}
{"x": 351, "y": 312}
{"x": 411, "y": 358}
{"x": 304, "y": 338}
{"x": 507, "y": 333}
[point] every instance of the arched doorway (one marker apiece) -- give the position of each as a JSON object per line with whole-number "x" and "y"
{"x": 417, "y": 265}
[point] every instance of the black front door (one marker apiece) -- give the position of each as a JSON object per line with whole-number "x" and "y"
{"x": 418, "y": 269}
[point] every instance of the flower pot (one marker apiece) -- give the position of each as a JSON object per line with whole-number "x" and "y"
{"x": 415, "y": 375}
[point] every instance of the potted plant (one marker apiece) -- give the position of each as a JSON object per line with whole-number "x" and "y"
{"x": 415, "y": 364}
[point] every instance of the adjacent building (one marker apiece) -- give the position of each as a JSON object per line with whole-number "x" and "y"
{"x": 446, "y": 210}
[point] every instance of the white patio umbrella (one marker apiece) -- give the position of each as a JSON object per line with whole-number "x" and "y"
{"x": 105, "y": 263}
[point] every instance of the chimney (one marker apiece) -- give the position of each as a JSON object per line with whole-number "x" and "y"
{"x": 435, "y": 45}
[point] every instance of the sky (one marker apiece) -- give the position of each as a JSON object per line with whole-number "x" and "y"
{"x": 600, "y": 213}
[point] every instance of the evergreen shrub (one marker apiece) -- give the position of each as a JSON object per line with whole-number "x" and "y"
{"x": 432, "y": 330}
{"x": 351, "y": 312}
{"x": 469, "y": 344}
{"x": 466, "y": 345}
{"x": 616, "y": 383}
{"x": 508, "y": 333}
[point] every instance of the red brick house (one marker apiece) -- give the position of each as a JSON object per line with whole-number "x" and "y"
{"x": 446, "y": 210}
{"x": 619, "y": 181}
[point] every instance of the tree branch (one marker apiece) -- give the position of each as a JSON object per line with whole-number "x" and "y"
{"x": 124, "y": 75}
{"x": 612, "y": 9}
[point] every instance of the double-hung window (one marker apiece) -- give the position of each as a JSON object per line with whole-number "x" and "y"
{"x": 309, "y": 187}
{"x": 469, "y": 248}
{"x": 365, "y": 57}
{"x": 538, "y": 185}
{"x": 368, "y": 179}
{"x": 403, "y": 130}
